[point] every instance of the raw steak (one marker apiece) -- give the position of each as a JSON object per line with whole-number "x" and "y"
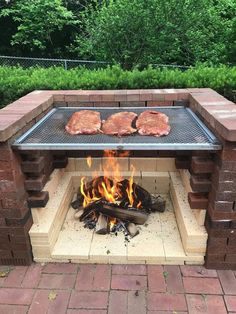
{"x": 119, "y": 124}
{"x": 153, "y": 123}
{"x": 84, "y": 122}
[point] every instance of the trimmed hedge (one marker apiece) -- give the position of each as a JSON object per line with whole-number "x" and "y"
{"x": 16, "y": 82}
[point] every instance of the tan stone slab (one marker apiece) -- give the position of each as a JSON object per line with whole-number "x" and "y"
{"x": 82, "y": 165}
{"x": 108, "y": 248}
{"x": 71, "y": 165}
{"x": 143, "y": 164}
{"x": 146, "y": 246}
{"x": 156, "y": 182}
{"x": 122, "y": 162}
{"x": 194, "y": 237}
{"x": 165, "y": 164}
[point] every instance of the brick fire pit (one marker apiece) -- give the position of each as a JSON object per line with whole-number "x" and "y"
{"x": 212, "y": 174}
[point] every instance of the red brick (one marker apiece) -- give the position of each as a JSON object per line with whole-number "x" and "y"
{"x": 42, "y": 304}
{"x": 174, "y": 279}
{"x": 197, "y": 200}
{"x": 202, "y": 285}
{"x": 60, "y": 268}
{"x": 136, "y": 302}
{"x": 201, "y": 165}
{"x": 35, "y": 184}
{"x": 38, "y": 199}
{"x": 32, "y": 276}
{"x": 15, "y": 277}
{"x": 89, "y": 300}
{"x": 156, "y": 280}
{"x": 132, "y": 104}
{"x": 129, "y": 270}
{"x": 10, "y": 309}
{"x": 56, "y": 281}
{"x": 131, "y": 282}
{"x": 16, "y": 296}
{"x": 200, "y": 184}
{"x": 33, "y": 166}
{"x": 86, "y": 312}
{"x": 230, "y": 301}
{"x": 228, "y": 281}
{"x": 93, "y": 277}
{"x": 166, "y": 302}
{"x": 206, "y": 304}
{"x": 197, "y": 271}
{"x": 118, "y": 302}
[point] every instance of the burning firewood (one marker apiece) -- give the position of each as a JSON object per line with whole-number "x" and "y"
{"x": 101, "y": 225}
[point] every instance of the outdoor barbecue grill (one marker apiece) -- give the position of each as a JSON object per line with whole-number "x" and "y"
{"x": 187, "y": 133}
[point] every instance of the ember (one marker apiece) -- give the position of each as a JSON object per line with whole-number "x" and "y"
{"x": 110, "y": 203}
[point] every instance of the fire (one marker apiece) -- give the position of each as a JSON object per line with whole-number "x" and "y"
{"x": 112, "y": 223}
{"x": 129, "y": 189}
{"x": 107, "y": 187}
{"x": 89, "y": 161}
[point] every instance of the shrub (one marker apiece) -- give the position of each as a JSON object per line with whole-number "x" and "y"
{"x": 16, "y": 82}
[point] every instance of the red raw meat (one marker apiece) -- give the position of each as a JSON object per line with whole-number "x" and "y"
{"x": 119, "y": 124}
{"x": 84, "y": 122}
{"x": 153, "y": 123}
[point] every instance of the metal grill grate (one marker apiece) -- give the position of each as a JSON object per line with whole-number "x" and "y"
{"x": 187, "y": 133}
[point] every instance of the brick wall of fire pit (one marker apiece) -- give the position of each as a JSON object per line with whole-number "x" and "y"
{"x": 210, "y": 177}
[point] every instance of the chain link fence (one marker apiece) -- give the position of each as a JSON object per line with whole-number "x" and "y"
{"x": 26, "y": 62}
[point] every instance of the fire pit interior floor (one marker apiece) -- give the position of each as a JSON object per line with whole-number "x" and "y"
{"x": 172, "y": 237}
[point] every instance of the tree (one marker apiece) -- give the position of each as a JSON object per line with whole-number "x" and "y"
{"x": 155, "y": 31}
{"x": 38, "y": 24}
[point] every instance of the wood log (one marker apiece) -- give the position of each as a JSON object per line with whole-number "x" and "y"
{"x": 90, "y": 208}
{"x": 158, "y": 204}
{"x": 132, "y": 229}
{"x": 127, "y": 215}
{"x": 101, "y": 225}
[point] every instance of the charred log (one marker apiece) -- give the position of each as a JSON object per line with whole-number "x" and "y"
{"x": 127, "y": 215}
{"x": 158, "y": 204}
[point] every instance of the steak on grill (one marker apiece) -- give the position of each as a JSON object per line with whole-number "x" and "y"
{"x": 84, "y": 122}
{"x": 119, "y": 124}
{"x": 153, "y": 123}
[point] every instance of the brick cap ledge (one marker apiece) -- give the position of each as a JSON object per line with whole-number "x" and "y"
{"x": 223, "y": 118}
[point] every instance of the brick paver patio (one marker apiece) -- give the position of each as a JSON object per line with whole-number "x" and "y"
{"x": 117, "y": 289}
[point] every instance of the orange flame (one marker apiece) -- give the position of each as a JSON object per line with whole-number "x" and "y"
{"x": 89, "y": 161}
{"x": 108, "y": 187}
{"x": 129, "y": 189}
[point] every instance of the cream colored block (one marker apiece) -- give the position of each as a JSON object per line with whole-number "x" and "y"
{"x": 82, "y": 165}
{"x": 143, "y": 164}
{"x": 121, "y": 162}
{"x": 194, "y": 237}
{"x": 156, "y": 182}
{"x": 165, "y": 164}
{"x": 108, "y": 247}
{"x": 185, "y": 176}
{"x": 173, "y": 262}
{"x": 195, "y": 263}
{"x": 200, "y": 214}
{"x": 146, "y": 246}
{"x": 71, "y": 165}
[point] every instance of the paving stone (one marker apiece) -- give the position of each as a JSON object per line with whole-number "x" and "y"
{"x": 88, "y": 300}
{"x": 197, "y": 271}
{"x": 174, "y": 279}
{"x": 56, "y": 281}
{"x": 12, "y": 309}
{"x": 166, "y": 312}
{"x": 118, "y": 302}
{"x": 136, "y": 302}
{"x": 230, "y": 301}
{"x": 166, "y": 302}
{"x": 32, "y": 276}
{"x": 16, "y": 296}
{"x": 93, "y": 277}
{"x": 15, "y": 277}
{"x": 42, "y": 304}
{"x": 60, "y": 268}
{"x": 156, "y": 280}
{"x": 202, "y": 285}
{"x": 228, "y": 281}
{"x": 205, "y": 304}
{"x": 86, "y": 312}
{"x": 131, "y": 282}
{"x": 129, "y": 270}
